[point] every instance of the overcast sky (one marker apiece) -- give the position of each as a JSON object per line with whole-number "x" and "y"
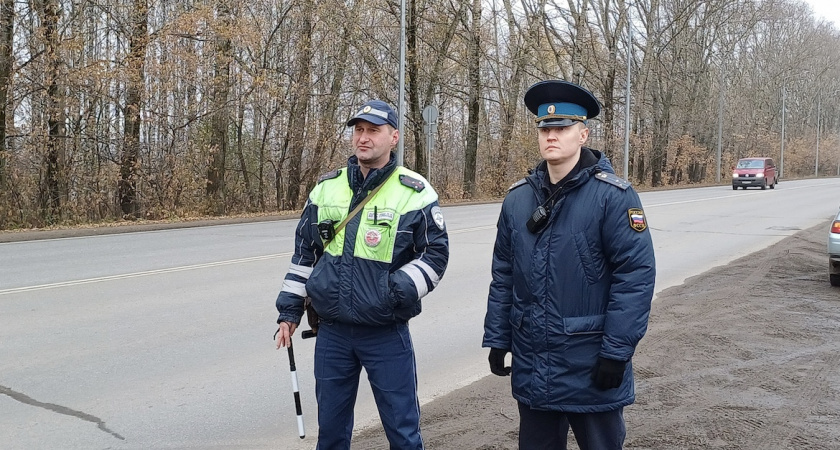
{"x": 829, "y": 9}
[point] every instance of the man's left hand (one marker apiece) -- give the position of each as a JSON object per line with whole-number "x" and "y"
{"x": 608, "y": 373}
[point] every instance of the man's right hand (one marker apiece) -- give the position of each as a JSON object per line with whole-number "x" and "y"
{"x": 497, "y": 362}
{"x": 283, "y": 337}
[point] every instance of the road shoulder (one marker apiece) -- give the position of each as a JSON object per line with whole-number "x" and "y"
{"x": 742, "y": 356}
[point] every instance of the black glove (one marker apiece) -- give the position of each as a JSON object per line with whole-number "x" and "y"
{"x": 608, "y": 373}
{"x": 497, "y": 362}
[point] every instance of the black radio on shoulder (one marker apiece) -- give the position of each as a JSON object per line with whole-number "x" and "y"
{"x": 326, "y": 228}
{"x": 537, "y": 220}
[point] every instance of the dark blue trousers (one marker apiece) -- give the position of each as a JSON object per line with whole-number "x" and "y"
{"x": 548, "y": 430}
{"x": 387, "y": 355}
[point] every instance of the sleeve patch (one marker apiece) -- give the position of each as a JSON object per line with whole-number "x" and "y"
{"x": 437, "y": 216}
{"x": 413, "y": 183}
{"x": 613, "y": 179}
{"x": 637, "y": 219}
{"x": 329, "y": 175}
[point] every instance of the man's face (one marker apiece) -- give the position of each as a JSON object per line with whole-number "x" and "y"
{"x": 562, "y": 144}
{"x": 372, "y": 144}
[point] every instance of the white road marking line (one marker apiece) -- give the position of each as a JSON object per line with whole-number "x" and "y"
{"x": 278, "y": 255}
{"x": 467, "y": 230}
{"x": 175, "y": 269}
{"x": 141, "y": 274}
{"x": 646, "y": 206}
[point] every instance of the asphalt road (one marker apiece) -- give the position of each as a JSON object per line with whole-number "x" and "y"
{"x": 162, "y": 339}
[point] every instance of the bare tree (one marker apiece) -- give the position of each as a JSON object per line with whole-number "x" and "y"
{"x": 474, "y": 97}
{"x": 223, "y": 55}
{"x": 52, "y": 190}
{"x": 425, "y": 64}
{"x": 511, "y": 38}
{"x": 300, "y": 93}
{"x": 330, "y": 124}
{"x": 113, "y": 120}
{"x": 610, "y": 18}
{"x": 7, "y": 20}
{"x": 135, "y": 85}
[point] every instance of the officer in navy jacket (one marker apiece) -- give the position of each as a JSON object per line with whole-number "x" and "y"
{"x": 573, "y": 279}
{"x": 366, "y": 280}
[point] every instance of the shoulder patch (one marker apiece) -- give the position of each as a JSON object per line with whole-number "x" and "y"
{"x": 437, "y": 216}
{"x": 613, "y": 179}
{"x": 517, "y": 184}
{"x": 637, "y": 219}
{"x": 329, "y": 175}
{"x": 413, "y": 183}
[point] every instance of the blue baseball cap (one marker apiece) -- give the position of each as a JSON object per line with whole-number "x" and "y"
{"x": 558, "y": 103}
{"x": 376, "y": 112}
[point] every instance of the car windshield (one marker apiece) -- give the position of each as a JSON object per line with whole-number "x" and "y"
{"x": 750, "y": 164}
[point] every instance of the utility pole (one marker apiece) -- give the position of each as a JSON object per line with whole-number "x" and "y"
{"x": 400, "y": 108}
{"x": 817, "y": 159}
{"x": 627, "y": 98}
{"x": 720, "y": 123}
{"x": 782, "y": 159}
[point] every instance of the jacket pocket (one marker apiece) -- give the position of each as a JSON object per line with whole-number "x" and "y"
{"x": 403, "y": 305}
{"x": 322, "y": 290}
{"x": 591, "y": 268}
{"x": 379, "y": 308}
{"x": 584, "y": 325}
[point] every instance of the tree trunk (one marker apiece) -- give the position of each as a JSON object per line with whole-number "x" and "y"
{"x": 474, "y": 101}
{"x": 441, "y": 56}
{"x": 300, "y": 105}
{"x": 329, "y": 137}
{"x": 415, "y": 109}
{"x": 662, "y": 124}
{"x": 611, "y": 37}
{"x": 7, "y": 16}
{"x": 579, "y": 13}
{"x": 129, "y": 163}
{"x": 240, "y": 154}
{"x": 53, "y": 189}
{"x": 221, "y": 116}
{"x": 509, "y": 96}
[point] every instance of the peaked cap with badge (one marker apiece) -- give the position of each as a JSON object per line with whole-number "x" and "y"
{"x": 558, "y": 103}
{"x": 376, "y": 112}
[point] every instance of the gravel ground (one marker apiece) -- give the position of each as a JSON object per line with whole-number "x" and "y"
{"x": 745, "y": 356}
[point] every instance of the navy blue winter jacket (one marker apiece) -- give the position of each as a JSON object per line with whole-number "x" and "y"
{"x": 579, "y": 289}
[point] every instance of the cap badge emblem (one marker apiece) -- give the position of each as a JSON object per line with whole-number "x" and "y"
{"x": 551, "y": 109}
{"x": 366, "y": 109}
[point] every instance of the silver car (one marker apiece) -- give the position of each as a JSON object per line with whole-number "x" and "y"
{"x": 834, "y": 252}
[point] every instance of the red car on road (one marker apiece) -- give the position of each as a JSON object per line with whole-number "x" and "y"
{"x": 755, "y": 172}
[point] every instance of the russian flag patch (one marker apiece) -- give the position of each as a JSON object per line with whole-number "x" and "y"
{"x": 637, "y": 219}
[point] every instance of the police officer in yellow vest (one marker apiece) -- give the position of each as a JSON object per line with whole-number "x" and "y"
{"x": 366, "y": 277}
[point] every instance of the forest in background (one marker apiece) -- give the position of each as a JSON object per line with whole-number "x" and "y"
{"x": 117, "y": 110}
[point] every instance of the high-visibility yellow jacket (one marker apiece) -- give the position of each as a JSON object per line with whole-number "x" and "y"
{"x": 379, "y": 266}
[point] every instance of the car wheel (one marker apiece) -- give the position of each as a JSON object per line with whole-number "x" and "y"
{"x": 734, "y": 188}
{"x": 764, "y": 185}
{"x": 835, "y": 279}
